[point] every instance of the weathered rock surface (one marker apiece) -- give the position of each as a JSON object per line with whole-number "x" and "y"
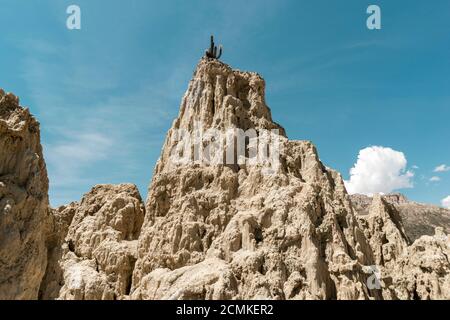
{"x": 417, "y": 271}
{"x": 24, "y": 213}
{"x": 274, "y": 223}
{"x": 418, "y": 219}
{"x": 236, "y": 231}
{"x": 385, "y": 233}
{"x": 424, "y": 272}
{"x": 95, "y": 245}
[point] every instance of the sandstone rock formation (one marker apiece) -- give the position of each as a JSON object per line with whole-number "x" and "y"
{"x": 236, "y": 231}
{"x": 239, "y": 231}
{"x": 23, "y": 202}
{"x": 382, "y": 226}
{"x": 385, "y": 233}
{"x": 418, "y": 219}
{"x": 235, "y": 210}
{"x": 424, "y": 272}
{"x": 95, "y": 245}
{"x": 60, "y": 221}
{"x": 405, "y": 271}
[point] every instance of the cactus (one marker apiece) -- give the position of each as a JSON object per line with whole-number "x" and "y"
{"x": 212, "y": 51}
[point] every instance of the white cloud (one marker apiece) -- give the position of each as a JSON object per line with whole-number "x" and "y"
{"x": 74, "y": 152}
{"x": 379, "y": 170}
{"x": 415, "y": 167}
{"x": 92, "y": 121}
{"x": 435, "y": 179}
{"x": 442, "y": 168}
{"x": 446, "y": 202}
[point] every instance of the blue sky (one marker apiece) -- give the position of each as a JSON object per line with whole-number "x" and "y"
{"x": 106, "y": 94}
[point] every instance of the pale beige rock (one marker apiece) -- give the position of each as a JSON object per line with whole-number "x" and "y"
{"x": 424, "y": 272}
{"x": 417, "y": 271}
{"x": 83, "y": 281}
{"x": 287, "y": 235}
{"x": 210, "y": 279}
{"x": 60, "y": 223}
{"x": 217, "y": 231}
{"x": 385, "y": 233}
{"x": 24, "y": 216}
{"x": 235, "y": 232}
{"x": 96, "y": 253}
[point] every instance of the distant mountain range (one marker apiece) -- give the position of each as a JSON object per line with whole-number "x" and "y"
{"x": 418, "y": 219}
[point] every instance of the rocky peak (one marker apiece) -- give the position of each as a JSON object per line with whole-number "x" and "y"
{"x": 221, "y": 97}
{"x": 418, "y": 219}
{"x": 384, "y": 230}
{"x": 234, "y": 231}
{"x": 396, "y": 198}
{"x": 220, "y": 106}
{"x": 215, "y": 231}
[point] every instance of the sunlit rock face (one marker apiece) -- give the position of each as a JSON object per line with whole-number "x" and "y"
{"x": 235, "y": 210}
{"x": 95, "y": 245}
{"x": 237, "y": 230}
{"x": 24, "y": 215}
{"x": 281, "y": 229}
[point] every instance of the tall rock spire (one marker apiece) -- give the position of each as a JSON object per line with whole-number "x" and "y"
{"x": 235, "y": 231}
{"x": 218, "y": 100}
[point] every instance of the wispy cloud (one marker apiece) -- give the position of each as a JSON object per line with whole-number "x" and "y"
{"x": 442, "y": 168}
{"x": 435, "y": 179}
{"x": 72, "y": 153}
{"x": 88, "y": 117}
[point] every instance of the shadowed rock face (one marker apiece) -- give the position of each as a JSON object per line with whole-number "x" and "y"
{"x": 24, "y": 214}
{"x": 418, "y": 219}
